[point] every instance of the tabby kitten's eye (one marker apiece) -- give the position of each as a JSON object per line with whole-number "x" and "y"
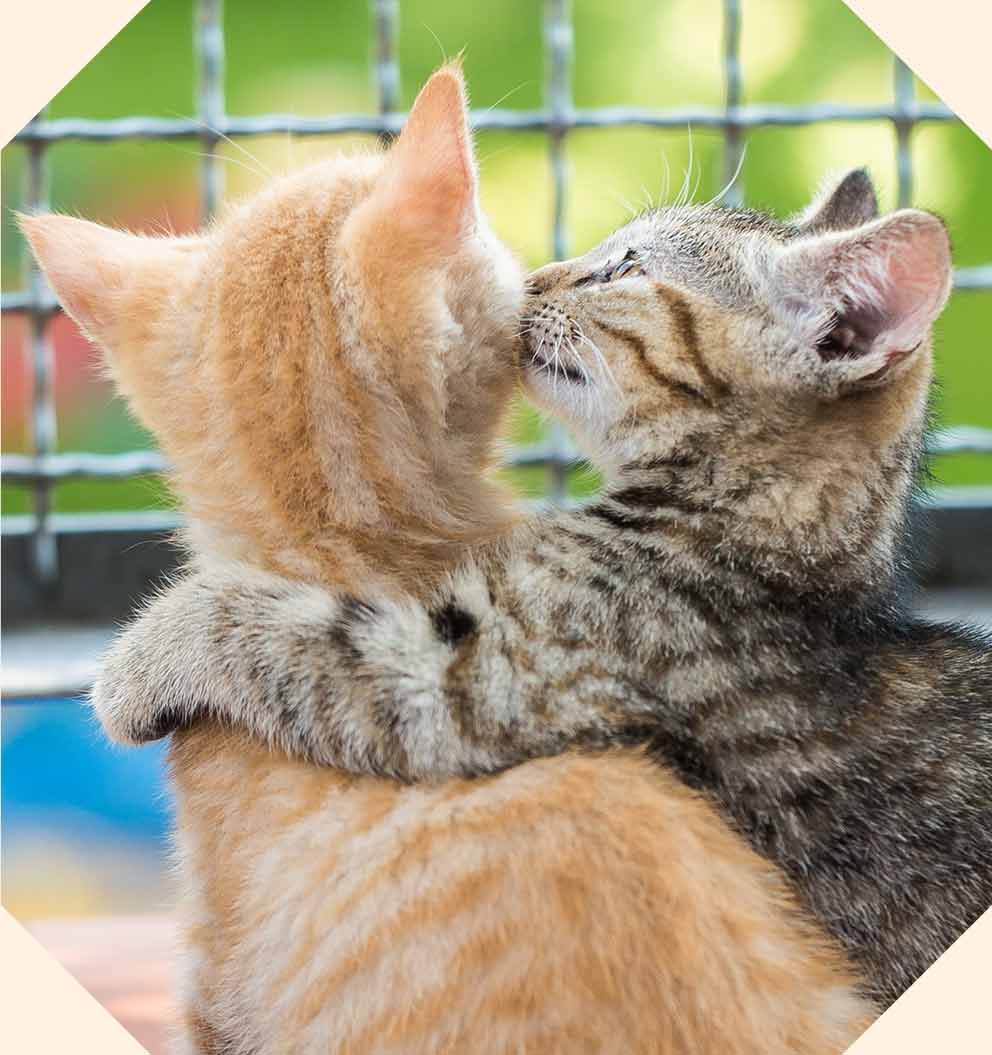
{"x": 629, "y": 262}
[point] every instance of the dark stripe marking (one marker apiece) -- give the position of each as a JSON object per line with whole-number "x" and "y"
{"x": 617, "y": 518}
{"x": 635, "y": 341}
{"x": 453, "y": 624}
{"x": 353, "y": 612}
{"x": 659, "y": 496}
{"x": 685, "y": 324}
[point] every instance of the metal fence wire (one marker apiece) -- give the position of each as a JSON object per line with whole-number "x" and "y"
{"x": 44, "y": 468}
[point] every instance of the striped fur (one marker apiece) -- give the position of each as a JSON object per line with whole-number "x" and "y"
{"x": 327, "y": 374}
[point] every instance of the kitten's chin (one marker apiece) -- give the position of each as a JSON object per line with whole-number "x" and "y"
{"x": 553, "y": 387}
{"x": 556, "y": 398}
{"x": 538, "y": 386}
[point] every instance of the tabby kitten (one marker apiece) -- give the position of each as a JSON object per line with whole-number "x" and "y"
{"x": 326, "y": 369}
{"x": 756, "y": 393}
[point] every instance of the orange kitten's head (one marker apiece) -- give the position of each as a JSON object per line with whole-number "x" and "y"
{"x": 327, "y": 366}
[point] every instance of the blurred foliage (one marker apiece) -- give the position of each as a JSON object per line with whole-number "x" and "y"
{"x": 311, "y": 57}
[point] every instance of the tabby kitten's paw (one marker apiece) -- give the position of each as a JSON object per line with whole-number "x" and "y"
{"x": 127, "y": 715}
{"x": 126, "y": 711}
{"x": 134, "y": 699}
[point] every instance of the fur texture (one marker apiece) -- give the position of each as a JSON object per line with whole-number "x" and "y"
{"x": 326, "y": 370}
{"x": 756, "y": 393}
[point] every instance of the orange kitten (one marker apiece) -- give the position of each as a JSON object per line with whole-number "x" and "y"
{"x": 326, "y": 370}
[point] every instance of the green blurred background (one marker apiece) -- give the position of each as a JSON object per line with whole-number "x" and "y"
{"x": 312, "y": 57}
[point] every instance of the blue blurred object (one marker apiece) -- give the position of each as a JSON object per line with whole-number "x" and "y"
{"x": 85, "y": 823}
{"x": 56, "y": 758}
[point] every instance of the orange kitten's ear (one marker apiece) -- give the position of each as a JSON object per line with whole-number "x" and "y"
{"x": 430, "y": 178}
{"x": 101, "y": 275}
{"x": 866, "y": 298}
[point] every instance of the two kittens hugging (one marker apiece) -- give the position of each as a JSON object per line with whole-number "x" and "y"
{"x": 328, "y": 371}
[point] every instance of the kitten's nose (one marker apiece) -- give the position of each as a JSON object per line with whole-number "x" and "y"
{"x": 544, "y": 279}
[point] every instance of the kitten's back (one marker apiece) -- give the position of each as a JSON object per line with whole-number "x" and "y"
{"x": 576, "y": 904}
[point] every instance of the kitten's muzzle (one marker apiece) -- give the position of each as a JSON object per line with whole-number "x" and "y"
{"x": 550, "y": 338}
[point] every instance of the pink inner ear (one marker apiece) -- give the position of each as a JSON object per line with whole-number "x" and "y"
{"x": 97, "y": 272}
{"x": 883, "y": 285}
{"x": 916, "y": 288}
{"x": 430, "y": 171}
{"x": 82, "y": 262}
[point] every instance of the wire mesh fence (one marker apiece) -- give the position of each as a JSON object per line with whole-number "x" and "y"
{"x": 44, "y": 468}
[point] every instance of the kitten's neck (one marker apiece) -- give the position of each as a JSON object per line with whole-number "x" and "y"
{"x": 393, "y": 554}
{"x": 817, "y": 530}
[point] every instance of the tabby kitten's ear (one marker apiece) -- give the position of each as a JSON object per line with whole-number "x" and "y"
{"x": 428, "y": 191}
{"x": 841, "y": 204}
{"x": 106, "y": 278}
{"x": 864, "y": 299}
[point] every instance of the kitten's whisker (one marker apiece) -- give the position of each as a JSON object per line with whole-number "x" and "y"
{"x": 164, "y": 226}
{"x": 587, "y": 387}
{"x": 537, "y": 353}
{"x": 558, "y": 343}
{"x": 663, "y": 197}
{"x": 683, "y": 195}
{"x": 733, "y": 179}
{"x": 494, "y": 154}
{"x": 602, "y": 365}
{"x": 699, "y": 180}
{"x": 600, "y": 358}
{"x": 227, "y": 139}
{"x": 437, "y": 40}
{"x": 601, "y": 361}
{"x": 591, "y": 396}
{"x": 503, "y": 98}
{"x": 227, "y": 161}
{"x": 247, "y": 153}
{"x": 621, "y": 199}
{"x": 576, "y": 359}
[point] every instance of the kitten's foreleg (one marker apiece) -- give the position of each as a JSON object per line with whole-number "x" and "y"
{"x": 363, "y": 686}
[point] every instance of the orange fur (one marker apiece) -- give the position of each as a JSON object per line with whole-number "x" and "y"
{"x": 327, "y": 369}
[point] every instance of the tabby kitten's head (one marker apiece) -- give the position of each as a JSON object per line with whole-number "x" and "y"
{"x": 326, "y": 367}
{"x": 775, "y": 371}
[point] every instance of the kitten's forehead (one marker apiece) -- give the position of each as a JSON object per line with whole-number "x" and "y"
{"x": 705, "y": 248}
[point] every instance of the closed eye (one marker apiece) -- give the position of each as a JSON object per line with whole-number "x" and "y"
{"x": 612, "y": 271}
{"x": 628, "y": 263}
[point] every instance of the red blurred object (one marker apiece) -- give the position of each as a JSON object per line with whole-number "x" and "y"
{"x": 76, "y": 377}
{"x": 125, "y": 962}
{"x": 79, "y": 387}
